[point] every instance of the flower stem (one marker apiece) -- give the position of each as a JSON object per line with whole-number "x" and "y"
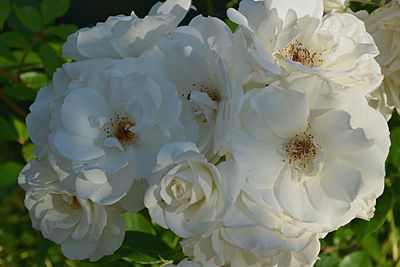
{"x": 393, "y": 235}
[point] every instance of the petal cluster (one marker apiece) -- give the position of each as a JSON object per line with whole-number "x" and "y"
{"x": 249, "y": 145}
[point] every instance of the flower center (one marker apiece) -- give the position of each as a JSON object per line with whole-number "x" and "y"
{"x": 75, "y": 205}
{"x": 119, "y": 129}
{"x": 212, "y": 93}
{"x": 301, "y": 152}
{"x": 296, "y": 51}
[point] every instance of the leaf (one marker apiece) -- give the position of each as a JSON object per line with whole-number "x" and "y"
{"x": 371, "y": 245}
{"x": 4, "y": 11}
{"x": 9, "y": 172}
{"x": 6, "y": 53}
{"x": 394, "y": 152}
{"x": 34, "y": 79}
{"x": 50, "y": 57}
{"x": 20, "y": 92}
{"x": 138, "y": 222}
{"x": 356, "y": 259}
{"x": 383, "y": 206}
{"x": 327, "y": 261}
{"x": 343, "y": 235}
{"x": 13, "y": 39}
{"x": 144, "y": 248}
{"x": 21, "y": 129}
{"x": 7, "y": 131}
{"x": 61, "y": 31}
{"x": 27, "y": 152}
{"x": 52, "y": 9}
{"x": 29, "y": 17}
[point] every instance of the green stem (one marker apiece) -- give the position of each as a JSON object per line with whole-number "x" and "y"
{"x": 393, "y": 235}
{"x": 11, "y": 104}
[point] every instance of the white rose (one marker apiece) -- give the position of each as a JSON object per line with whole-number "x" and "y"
{"x": 126, "y": 36}
{"x": 108, "y": 118}
{"x": 235, "y": 247}
{"x": 192, "y": 194}
{"x": 322, "y": 162}
{"x": 384, "y": 25}
{"x": 201, "y": 55}
{"x": 335, "y": 47}
{"x": 83, "y": 229}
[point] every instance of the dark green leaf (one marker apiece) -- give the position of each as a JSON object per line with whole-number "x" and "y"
{"x": 383, "y": 206}
{"x": 6, "y": 53}
{"x": 144, "y": 248}
{"x": 20, "y": 92}
{"x": 13, "y": 39}
{"x": 138, "y": 222}
{"x": 61, "y": 31}
{"x": 356, "y": 259}
{"x": 7, "y": 131}
{"x": 29, "y": 17}
{"x": 50, "y": 57}
{"x": 328, "y": 261}
{"x": 9, "y": 173}
{"x": 371, "y": 245}
{"x": 52, "y": 9}
{"x": 394, "y": 153}
{"x": 4, "y": 11}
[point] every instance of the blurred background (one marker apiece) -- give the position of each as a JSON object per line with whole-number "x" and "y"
{"x": 32, "y": 33}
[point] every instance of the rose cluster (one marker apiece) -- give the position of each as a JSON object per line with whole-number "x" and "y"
{"x": 249, "y": 145}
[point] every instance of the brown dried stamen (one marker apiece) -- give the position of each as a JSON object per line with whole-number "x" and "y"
{"x": 120, "y": 130}
{"x": 301, "y": 151}
{"x": 75, "y": 205}
{"x": 296, "y": 51}
{"x": 212, "y": 93}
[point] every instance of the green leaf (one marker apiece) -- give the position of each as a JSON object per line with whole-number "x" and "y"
{"x": 34, "y": 79}
{"x": 371, "y": 245}
{"x": 21, "y": 129}
{"x": 6, "y": 53}
{"x": 356, "y": 259}
{"x": 50, "y": 57}
{"x": 138, "y": 222}
{"x": 144, "y": 248}
{"x": 61, "y": 31}
{"x": 9, "y": 172}
{"x": 13, "y": 39}
{"x": 394, "y": 152}
{"x": 7, "y": 131}
{"x": 20, "y": 92}
{"x": 4, "y": 11}
{"x": 27, "y": 152}
{"x": 327, "y": 261}
{"x": 29, "y": 17}
{"x": 384, "y": 204}
{"x": 52, "y": 9}
{"x": 343, "y": 235}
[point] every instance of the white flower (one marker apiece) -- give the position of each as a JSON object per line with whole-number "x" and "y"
{"x": 203, "y": 59}
{"x": 83, "y": 229}
{"x": 126, "y": 36}
{"x": 320, "y": 162}
{"x": 246, "y": 243}
{"x": 193, "y": 194}
{"x": 107, "y": 118}
{"x": 384, "y": 26}
{"x": 335, "y": 47}
{"x": 336, "y": 5}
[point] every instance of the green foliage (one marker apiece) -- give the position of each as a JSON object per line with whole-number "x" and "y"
{"x": 29, "y": 54}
